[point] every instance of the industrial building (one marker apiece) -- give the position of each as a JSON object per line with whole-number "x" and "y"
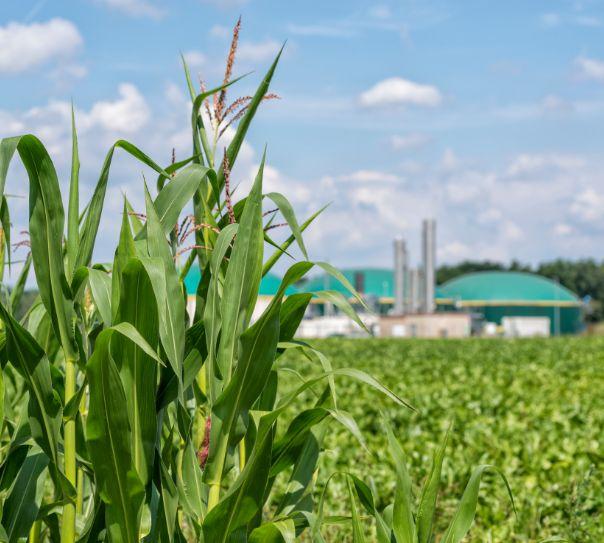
{"x": 404, "y": 301}
{"x": 500, "y": 297}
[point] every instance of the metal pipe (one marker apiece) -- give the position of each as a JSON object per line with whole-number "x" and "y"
{"x": 400, "y": 272}
{"x": 429, "y": 264}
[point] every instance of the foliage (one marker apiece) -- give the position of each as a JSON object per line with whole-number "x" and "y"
{"x": 126, "y": 419}
{"x": 533, "y": 407}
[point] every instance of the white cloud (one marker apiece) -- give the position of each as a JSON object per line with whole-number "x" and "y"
{"x": 551, "y": 19}
{"x": 220, "y": 31}
{"x": 135, "y": 8}
{"x": 258, "y": 51}
{"x": 364, "y": 176}
{"x": 396, "y": 91}
{"x": 449, "y": 160}
{"x": 408, "y": 141}
{"x": 533, "y": 163}
{"x": 129, "y": 113}
{"x": 225, "y": 4}
{"x": 563, "y": 229}
{"x": 490, "y": 215}
{"x": 511, "y": 231}
{"x": 554, "y": 104}
{"x": 588, "y": 206}
{"x": 320, "y": 30}
{"x": 380, "y": 11}
{"x": 195, "y": 59}
{"x": 590, "y": 68}
{"x": 26, "y": 46}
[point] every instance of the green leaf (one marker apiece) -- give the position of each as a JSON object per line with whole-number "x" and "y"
{"x": 100, "y": 286}
{"x": 212, "y": 317}
{"x": 95, "y": 207}
{"x": 109, "y": 439}
{"x": 429, "y": 494}
{"x": 178, "y": 192}
{"x": 288, "y": 214}
{"x": 44, "y": 406}
{"x": 340, "y": 301}
{"x": 17, "y": 293}
{"x": 123, "y": 253}
{"x": 403, "y": 523}
{"x": 5, "y": 222}
{"x": 357, "y": 529}
{"x": 21, "y": 507}
{"x": 244, "y": 124}
{"x": 246, "y": 495}
{"x": 339, "y": 276}
{"x": 274, "y": 258}
{"x": 73, "y": 215}
{"x": 466, "y": 510}
{"x": 46, "y": 220}
{"x": 242, "y": 277}
{"x": 168, "y": 290}
{"x": 191, "y": 486}
{"x": 279, "y": 531}
{"x": 136, "y": 357}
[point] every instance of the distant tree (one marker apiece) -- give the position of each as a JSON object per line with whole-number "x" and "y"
{"x": 446, "y": 273}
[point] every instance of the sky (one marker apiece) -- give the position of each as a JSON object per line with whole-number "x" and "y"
{"x": 487, "y": 116}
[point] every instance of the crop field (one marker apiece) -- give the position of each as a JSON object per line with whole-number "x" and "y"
{"x": 533, "y": 408}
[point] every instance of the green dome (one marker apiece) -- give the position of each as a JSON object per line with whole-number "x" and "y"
{"x": 506, "y": 288}
{"x": 268, "y": 286}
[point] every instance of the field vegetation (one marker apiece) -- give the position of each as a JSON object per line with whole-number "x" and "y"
{"x": 532, "y": 407}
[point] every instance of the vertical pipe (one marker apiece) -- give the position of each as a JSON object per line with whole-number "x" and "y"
{"x": 414, "y": 290}
{"x": 429, "y": 263}
{"x": 400, "y": 271}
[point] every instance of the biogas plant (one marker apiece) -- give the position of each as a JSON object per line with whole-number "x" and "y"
{"x": 405, "y": 301}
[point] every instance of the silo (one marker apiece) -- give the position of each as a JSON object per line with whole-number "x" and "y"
{"x": 400, "y": 273}
{"x": 429, "y": 264}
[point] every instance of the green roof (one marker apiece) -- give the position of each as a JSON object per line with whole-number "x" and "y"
{"x": 268, "y": 286}
{"x": 495, "y": 286}
{"x": 377, "y": 282}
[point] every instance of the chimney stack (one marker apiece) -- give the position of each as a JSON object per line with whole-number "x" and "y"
{"x": 429, "y": 264}
{"x": 400, "y": 273}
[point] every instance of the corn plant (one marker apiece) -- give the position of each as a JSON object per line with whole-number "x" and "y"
{"x": 124, "y": 419}
{"x": 401, "y": 521}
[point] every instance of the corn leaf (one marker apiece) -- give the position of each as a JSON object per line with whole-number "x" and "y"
{"x": 22, "y": 505}
{"x": 403, "y": 522}
{"x": 109, "y": 438}
{"x": 466, "y": 510}
{"x": 95, "y": 207}
{"x": 427, "y": 502}
{"x": 73, "y": 214}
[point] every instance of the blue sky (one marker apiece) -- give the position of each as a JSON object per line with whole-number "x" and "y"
{"x": 488, "y": 116}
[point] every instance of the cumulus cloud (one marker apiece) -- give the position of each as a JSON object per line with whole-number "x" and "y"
{"x": 195, "y": 59}
{"x": 531, "y": 163}
{"x": 364, "y": 176}
{"x": 396, "y": 91}
{"x": 225, "y": 4}
{"x": 258, "y": 51}
{"x": 408, "y": 141}
{"x": 26, "y": 46}
{"x": 588, "y": 206}
{"x": 590, "y": 68}
{"x": 129, "y": 113}
{"x": 135, "y": 8}
{"x": 220, "y": 31}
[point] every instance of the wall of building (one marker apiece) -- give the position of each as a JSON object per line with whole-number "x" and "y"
{"x": 428, "y": 325}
